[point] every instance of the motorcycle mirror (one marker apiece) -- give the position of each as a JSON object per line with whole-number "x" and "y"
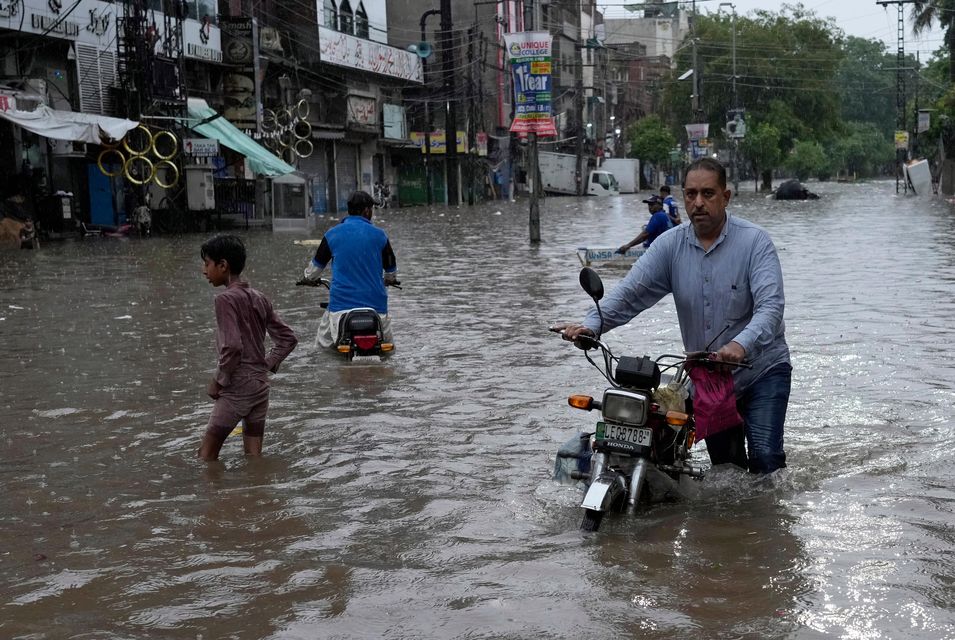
{"x": 591, "y": 283}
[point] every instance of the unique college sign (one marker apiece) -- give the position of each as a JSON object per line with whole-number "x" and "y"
{"x": 529, "y": 52}
{"x": 367, "y": 55}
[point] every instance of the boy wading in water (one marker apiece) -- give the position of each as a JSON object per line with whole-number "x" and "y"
{"x": 240, "y": 386}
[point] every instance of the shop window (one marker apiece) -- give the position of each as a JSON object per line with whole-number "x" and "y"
{"x": 346, "y": 18}
{"x": 361, "y": 21}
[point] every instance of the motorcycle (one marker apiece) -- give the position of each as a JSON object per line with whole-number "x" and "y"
{"x": 646, "y": 422}
{"x": 360, "y": 330}
{"x": 381, "y": 194}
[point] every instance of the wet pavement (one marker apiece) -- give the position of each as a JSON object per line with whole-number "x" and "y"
{"x": 412, "y": 498}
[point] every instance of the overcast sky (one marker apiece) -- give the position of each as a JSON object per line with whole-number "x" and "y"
{"x": 862, "y": 18}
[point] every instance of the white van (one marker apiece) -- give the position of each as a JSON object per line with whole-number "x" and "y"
{"x": 602, "y": 183}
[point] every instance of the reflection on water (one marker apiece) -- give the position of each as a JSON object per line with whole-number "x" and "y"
{"x": 411, "y": 498}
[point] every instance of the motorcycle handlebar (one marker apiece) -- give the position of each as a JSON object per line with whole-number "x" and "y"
{"x": 583, "y": 341}
{"x": 305, "y": 282}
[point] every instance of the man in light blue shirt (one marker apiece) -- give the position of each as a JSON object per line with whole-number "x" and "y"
{"x": 727, "y": 284}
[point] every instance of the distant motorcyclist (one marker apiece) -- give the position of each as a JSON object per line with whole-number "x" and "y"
{"x": 362, "y": 253}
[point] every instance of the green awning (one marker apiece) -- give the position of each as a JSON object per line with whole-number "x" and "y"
{"x": 205, "y": 121}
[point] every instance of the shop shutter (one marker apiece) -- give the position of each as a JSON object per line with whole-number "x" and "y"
{"x": 346, "y": 166}
{"x": 96, "y": 71}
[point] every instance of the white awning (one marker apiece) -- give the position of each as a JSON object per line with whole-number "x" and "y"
{"x": 70, "y": 125}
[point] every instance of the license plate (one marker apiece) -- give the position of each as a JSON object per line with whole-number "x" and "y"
{"x": 634, "y": 435}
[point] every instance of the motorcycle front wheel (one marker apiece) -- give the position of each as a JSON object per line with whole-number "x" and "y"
{"x": 592, "y": 520}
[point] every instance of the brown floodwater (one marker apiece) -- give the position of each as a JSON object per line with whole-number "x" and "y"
{"x": 412, "y": 498}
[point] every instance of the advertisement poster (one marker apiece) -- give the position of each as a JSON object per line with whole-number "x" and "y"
{"x": 529, "y": 52}
{"x": 240, "y": 92}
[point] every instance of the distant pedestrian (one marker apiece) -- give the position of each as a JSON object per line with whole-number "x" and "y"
{"x": 28, "y": 239}
{"x": 670, "y": 206}
{"x": 240, "y": 386}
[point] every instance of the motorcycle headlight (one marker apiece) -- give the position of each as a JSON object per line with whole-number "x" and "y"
{"x": 626, "y": 407}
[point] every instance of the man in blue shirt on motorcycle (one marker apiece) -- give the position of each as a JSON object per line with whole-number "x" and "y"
{"x": 727, "y": 284}
{"x": 362, "y": 252}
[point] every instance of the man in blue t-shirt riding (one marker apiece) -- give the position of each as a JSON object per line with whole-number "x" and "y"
{"x": 659, "y": 222}
{"x": 362, "y": 252}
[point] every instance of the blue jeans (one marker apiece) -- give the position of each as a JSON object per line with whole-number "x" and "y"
{"x": 763, "y": 408}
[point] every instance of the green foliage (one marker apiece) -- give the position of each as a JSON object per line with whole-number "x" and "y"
{"x": 790, "y": 58}
{"x": 650, "y": 140}
{"x": 928, "y": 13}
{"x": 806, "y": 159}
{"x": 761, "y": 147}
{"x": 801, "y": 77}
{"x": 863, "y": 150}
{"x": 866, "y": 79}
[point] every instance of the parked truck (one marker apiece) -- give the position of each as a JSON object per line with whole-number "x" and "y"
{"x": 626, "y": 171}
{"x": 559, "y": 176}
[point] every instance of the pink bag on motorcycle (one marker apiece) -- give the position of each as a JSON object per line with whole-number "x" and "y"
{"x": 714, "y": 399}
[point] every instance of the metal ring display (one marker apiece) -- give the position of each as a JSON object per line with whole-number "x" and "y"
{"x": 175, "y": 172}
{"x": 305, "y": 126}
{"x": 284, "y": 117}
{"x": 284, "y": 140}
{"x": 149, "y": 139}
{"x": 302, "y": 143}
{"x": 175, "y": 145}
{"x": 269, "y": 120}
{"x": 105, "y": 152}
{"x": 302, "y": 109}
{"x": 288, "y": 155}
{"x": 129, "y": 163}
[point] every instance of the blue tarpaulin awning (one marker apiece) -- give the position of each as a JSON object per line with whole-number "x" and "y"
{"x": 205, "y": 121}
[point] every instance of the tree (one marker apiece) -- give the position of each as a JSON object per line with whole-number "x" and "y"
{"x": 650, "y": 140}
{"x": 862, "y": 150}
{"x": 866, "y": 79}
{"x": 761, "y": 148}
{"x": 807, "y": 158}
{"x": 926, "y": 13}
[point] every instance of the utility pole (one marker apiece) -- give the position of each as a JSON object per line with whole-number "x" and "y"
{"x": 695, "y": 100}
{"x": 579, "y": 98}
{"x": 451, "y": 122}
{"x": 735, "y": 102}
{"x": 900, "y": 154}
{"x": 427, "y": 110}
{"x": 534, "y": 221}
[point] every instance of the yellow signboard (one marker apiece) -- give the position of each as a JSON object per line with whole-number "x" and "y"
{"x": 439, "y": 142}
{"x": 901, "y": 140}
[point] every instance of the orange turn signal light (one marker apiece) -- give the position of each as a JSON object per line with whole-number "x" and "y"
{"x": 344, "y": 348}
{"x": 387, "y": 346}
{"x": 581, "y": 402}
{"x": 676, "y": 418}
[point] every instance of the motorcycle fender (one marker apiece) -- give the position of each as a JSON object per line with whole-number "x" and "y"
{"x": 599, "y": 495}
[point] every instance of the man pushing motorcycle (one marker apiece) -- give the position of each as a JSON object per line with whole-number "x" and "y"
{"x": 361, "y": 253}
{"x": 727, "y": 283}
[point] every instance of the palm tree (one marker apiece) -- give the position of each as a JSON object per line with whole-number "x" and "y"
{"x": 926, "y": 13}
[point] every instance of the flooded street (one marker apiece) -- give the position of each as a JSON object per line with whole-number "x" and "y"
{"x": 413, "y": 499}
